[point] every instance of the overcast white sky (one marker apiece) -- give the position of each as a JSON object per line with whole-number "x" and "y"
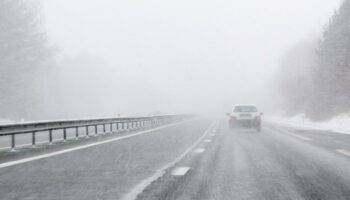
{"x": 191, "y": 49}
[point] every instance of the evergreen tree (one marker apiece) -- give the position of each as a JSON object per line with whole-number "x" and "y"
{"x": 331, "y": 75}
{"x": 23, "y": 52}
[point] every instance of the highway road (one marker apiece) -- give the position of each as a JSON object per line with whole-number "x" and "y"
{"x": 196, "y": 159}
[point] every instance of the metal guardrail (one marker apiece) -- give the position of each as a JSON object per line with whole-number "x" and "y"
{"x": 109, "y": 125}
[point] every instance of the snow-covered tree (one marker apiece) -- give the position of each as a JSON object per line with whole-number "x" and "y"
{"x": 315, "y": 79}
{"x": 23, "y": 52}
{"x": 331, "y": 74}
{"x": 293, "y": 78}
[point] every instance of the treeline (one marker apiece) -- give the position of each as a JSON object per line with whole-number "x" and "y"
{"x": 36, "y": 84}
{"x": 314, "y": 76}
{"x": 24, "y": 57}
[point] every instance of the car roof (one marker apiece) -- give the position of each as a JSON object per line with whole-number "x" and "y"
{"x": 244, "y": 105}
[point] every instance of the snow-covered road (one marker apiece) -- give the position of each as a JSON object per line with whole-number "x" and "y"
{"x": 199, "y": 159}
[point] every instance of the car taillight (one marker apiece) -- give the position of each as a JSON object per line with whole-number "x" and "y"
{"x": 258, "y": 118}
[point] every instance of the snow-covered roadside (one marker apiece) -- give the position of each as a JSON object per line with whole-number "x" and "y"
{"x": 340, "y": 124}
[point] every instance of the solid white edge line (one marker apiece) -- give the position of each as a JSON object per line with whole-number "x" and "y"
{"x": 138, "y": 189}
{"x": 25, "y": 160}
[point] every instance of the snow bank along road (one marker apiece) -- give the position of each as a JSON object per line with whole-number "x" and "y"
{"x": 196, "y": 159}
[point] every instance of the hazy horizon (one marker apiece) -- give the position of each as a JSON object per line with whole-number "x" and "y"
{"x": 185, "y": 56}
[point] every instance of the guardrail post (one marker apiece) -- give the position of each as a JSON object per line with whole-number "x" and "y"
{"x": 121, "y": 124}
{"x": 64, "y": 134}
{"x": 33, "y": 138}
{"x": 50, "y": 136}
{"x": 13, "y": 142}
{"x": 87, "y": 131}
{"x": 76, "y": 133}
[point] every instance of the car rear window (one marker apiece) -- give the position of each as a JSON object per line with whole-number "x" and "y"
{"x": 245, "y": 109}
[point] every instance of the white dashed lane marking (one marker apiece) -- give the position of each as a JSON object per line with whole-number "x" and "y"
{"x": 201, "y": 150}
{"x": 139, "y": 188}
{"x": 343, "y": 151}
{"x": 180, "y": 171}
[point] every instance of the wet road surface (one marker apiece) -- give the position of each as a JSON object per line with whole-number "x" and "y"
{"x": 196, "y": 159}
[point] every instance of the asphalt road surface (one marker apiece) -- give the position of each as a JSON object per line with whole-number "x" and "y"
{"x": 197, "y": 159}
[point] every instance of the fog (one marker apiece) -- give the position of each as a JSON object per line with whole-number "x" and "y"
{"x": 144, "y": 57}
